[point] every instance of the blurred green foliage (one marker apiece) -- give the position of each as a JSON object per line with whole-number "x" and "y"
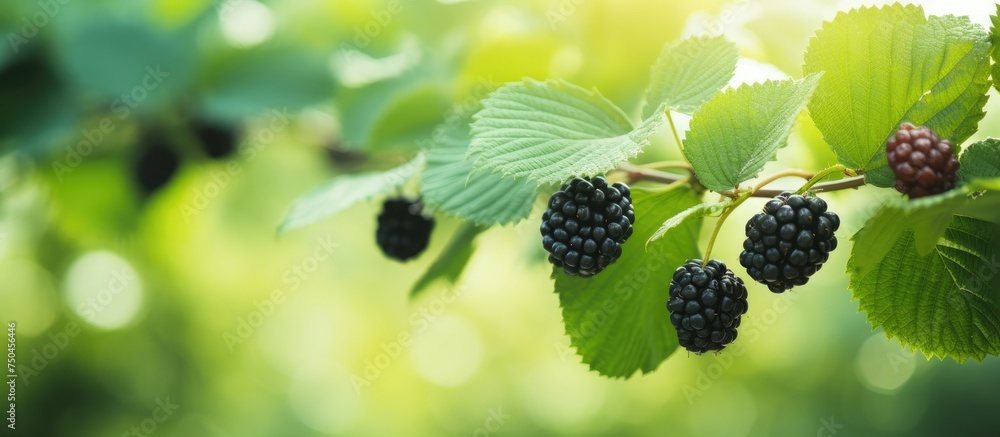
{"x": 313, "y": 333}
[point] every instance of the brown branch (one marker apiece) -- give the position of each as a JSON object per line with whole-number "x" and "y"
{"x": 637, "y": 173}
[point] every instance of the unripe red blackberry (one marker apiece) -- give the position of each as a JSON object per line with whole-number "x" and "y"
{"x": 923, "y": 163}
{"x": 585, "y": 225}
{"x": 706, "y": 305}
{"x": 789, "y": 241}
{"x": 403, "y": 232}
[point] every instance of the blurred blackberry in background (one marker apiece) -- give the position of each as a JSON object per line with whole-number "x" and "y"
{"x": 154, "y": 164}
{"x": 216, "y": 139}
{"x": 585, "y": 225}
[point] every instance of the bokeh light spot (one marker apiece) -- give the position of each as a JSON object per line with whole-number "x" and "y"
{"x": 883, "y": 366}
{"x": 246, "y": 23}
{"x": 103, "y": 289}
{"x": 447, "y": 352}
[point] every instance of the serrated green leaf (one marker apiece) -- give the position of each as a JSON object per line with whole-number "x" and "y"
{"x": 342, "y": 192}
{"x": 452, "y": 260}
{"x": 981, "y": 160}
{"x": 450, "y": 185}
{"x": 617, "y": 320}
{"x": 733, "y": 135}
{"x": 695, "y": 212}
{"x": 548, "y": 132}
{"x": 942, "y": 303}
{"x": 688, "y": 73}
{"x": 995, "y": 35}
{"x": 928, "y": 217}
{"x": 884, "y": 66}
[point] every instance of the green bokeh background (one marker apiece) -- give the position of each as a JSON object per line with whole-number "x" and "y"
{"x": 358, "y": 85}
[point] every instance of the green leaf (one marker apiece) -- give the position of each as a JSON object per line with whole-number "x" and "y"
{"x": 114, "y": 58}
{"x": 450, "y": 185}
{"x": 943, "y": 303}
{"x": 739, "y": 130}
{"x": 394, "y": 111}
{"x": 250, "y": 82}
{"x": 927, "y": 216}
{"x": 342, "y": 192}
{"x": 995, "y": 34}
{"x": 981, "y": 160}
{"x": 688, "y": 73}
{"x": 452, "y": 260}
{"x": 617, "y": 320}
{"x": 695, "y": 212}
{"x": 884, "y": 66}
{"x": 551, "y": 131}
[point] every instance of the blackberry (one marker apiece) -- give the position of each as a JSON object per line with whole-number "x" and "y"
{"x": 789, "y": 241}
{"x": 923, "y": 163}
{"x": 154, "y": 165}
{"x": 585, "y": 225}
{"x": 706, "y": 305}
{"x": 403, "y": 232}
{"x": 217, "y": 140}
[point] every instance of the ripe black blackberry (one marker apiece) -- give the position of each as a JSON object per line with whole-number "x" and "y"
{"x": 403, "y": 232}
{"x": 586, "y": 224}
{"x": 706, "y": 305}
{"x": 155, "y": 164}
{"x": 923, "y": 163}
{"x": 216, "y": 139}
{"x": 789, "y": 241}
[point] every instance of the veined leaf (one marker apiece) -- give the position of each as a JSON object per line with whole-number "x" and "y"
{"x": 548, "y": 132}
{"x": 733, "y": 135}
{"x": 884, "y": 66}
{"x": 450, "y": 185}
{"x": 995, "y": 33}
{"x": 342, "y": 192}
{"x": 944, "y": 302}
{"x": 981, "y": 160}
{"x": 617, "y": 320}
{"x": 688, "y": 73}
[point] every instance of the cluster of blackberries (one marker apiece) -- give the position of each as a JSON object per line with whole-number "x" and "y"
{"x": 789, "y": 241}
{"x": 155, "y": 162}
{"x": 923, "y": 163}
{"x": 706, "y": 303}
{"x": 585, "y": 225}
{"x": 403, "y": 231}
